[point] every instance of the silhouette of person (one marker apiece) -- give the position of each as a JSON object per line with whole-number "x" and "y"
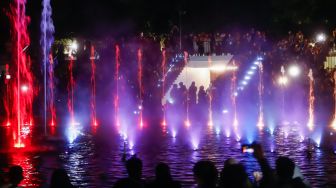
{"x": 284, "y": 171}
{"x": 60, "y": 178}
{"x": 192, "y": 93}
{"x": 134, "y": 171}
{"x": 202, "y": 96}
{"x": 182, "y": 96}
{"x": 205, "y": 174}
{"x": 163, "y": 178}
{"x": 233, "y": 175}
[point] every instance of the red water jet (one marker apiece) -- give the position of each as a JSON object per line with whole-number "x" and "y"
{"x": 22, "y": 85}
{"x": 51, "y": 87}
{"x": 70, "y": 87}
{"x": 93, "y": 88}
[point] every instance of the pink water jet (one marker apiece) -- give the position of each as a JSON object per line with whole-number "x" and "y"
{"x": 116, "y": 93}
{"x": 141, "y": 90}
{"x": 93, "y": 88}
{"x": 51, "y": 88}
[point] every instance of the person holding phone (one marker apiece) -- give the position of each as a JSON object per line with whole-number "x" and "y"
{"x": 284, "y": 171}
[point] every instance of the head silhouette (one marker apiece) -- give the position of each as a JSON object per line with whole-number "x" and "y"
{"x": 285, "y": 167}
{"x": 234, "y": 176}
{"x": 15, "y": 175}
{"x": 181, "y": 84}
{"x": 162, "y": 172}
{"x": 134, "y": 167}
{"x": 205, "y": 173}
{"x": 60, "y": 178}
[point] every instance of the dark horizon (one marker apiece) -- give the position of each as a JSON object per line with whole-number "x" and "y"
{"x": 92, "y": 19}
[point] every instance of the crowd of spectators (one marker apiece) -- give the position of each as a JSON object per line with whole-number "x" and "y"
{"x": 206, "y": 175}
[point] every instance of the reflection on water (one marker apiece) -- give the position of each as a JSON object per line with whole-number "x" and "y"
{"x": 94, "y": 159}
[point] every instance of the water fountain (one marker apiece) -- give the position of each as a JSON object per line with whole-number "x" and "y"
{"x": 210, "y": 122}
{"x": 116, "y": 93}
{"x": 140, "y": 74}
{"x": 187, "y": 121}
{"x": 333, "y": 124}
{"x": 234, "y": 102}
{"x": 71, "y": 90}
{"x": 6, "y": 99}
{"x": 47, "y": 39}
{"x": 311, "y": 101}
{"x": 51, "y": 94}
{"x": 163, "y": 68}
{"x": 260, "y": 123}
{"x": 93, "y": 88}
{"x": 23, "y": 85}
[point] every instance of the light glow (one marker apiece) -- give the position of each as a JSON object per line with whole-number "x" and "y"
{"x": 294, "y": 71}
{"x": 283, "y": 80}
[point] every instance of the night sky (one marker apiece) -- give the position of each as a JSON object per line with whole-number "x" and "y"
{"x": 105, "y": 17}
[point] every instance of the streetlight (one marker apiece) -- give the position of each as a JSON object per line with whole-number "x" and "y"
{"x": 321, "y": 37}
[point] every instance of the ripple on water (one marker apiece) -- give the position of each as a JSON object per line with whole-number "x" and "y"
{"x": 95, "y": 161}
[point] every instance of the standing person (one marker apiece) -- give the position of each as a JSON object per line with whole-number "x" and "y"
{"x": 284, "y": 168}
{"x": 163, "y": 178}
{"x": 202, "y": 105}
{"x": 202, "y": 96}
{"x": 134, "y": 171}
{"x": 206, "y": 44}
{"x": 192, "y": 94}
{"x": 182, "y": 94}
{"x": 195, "y": 44}
{"x": 200, "y": 44}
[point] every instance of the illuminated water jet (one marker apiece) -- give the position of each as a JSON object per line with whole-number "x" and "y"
{"x": 187, "y": 121}
{"x": 116, "y": 93}
{"x": 51, "y": 95}
{"x": 140, "y": 74}
{"x": 210, "y": 122}
{"x": 233, "y": 100}
{"x": 333, "y": 124}
{"x": 260, "y": 123}
{"x": 163, "y": 68}
{"x": 70, "y": 87}
{"x": 311, "y": 101}
{"x": 47, "y": 39}
{"x": 93, "y": 88}
{"x": 6, "y": 99}
{"x": 21, "y": 106}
